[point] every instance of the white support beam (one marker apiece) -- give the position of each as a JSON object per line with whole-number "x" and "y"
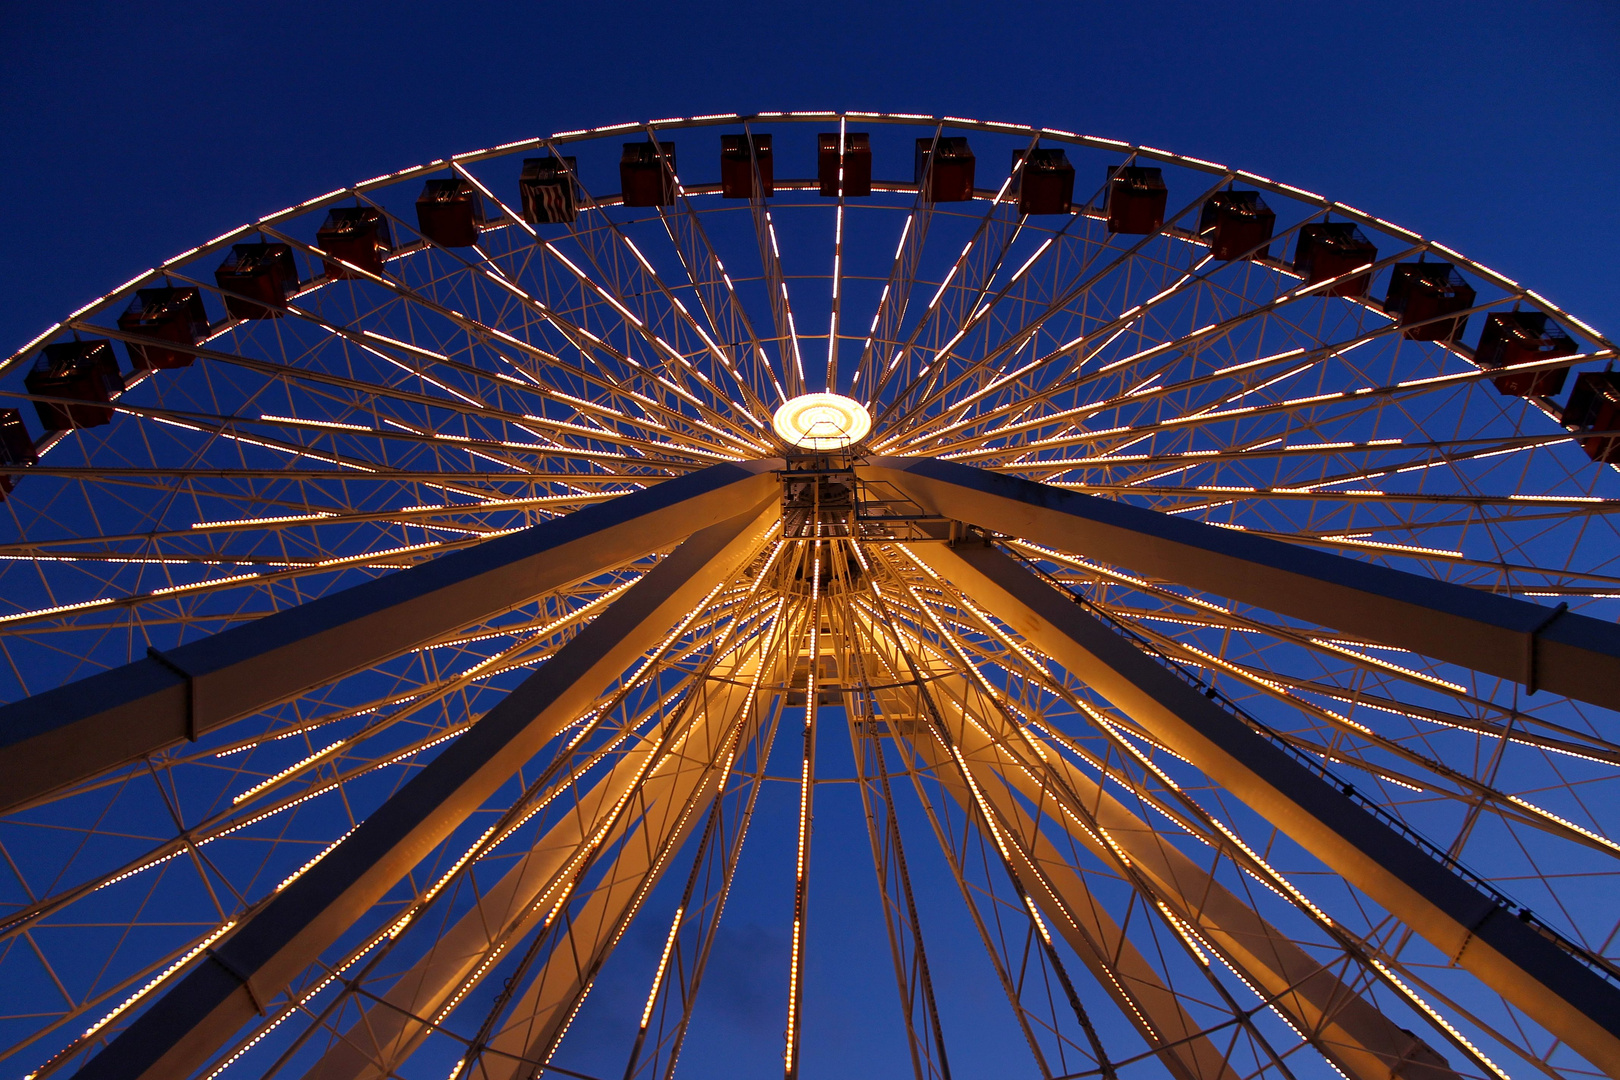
{"x": 1362, "y": 1041}
{"x": 669, "y": 812}
{"x": 61, "y": 736}
{"x": 388, "y": 1031}
{"x": 1113, "y": 959}
{"x": 1081, "y": 919}
{"x": 1544, "y": 648}
{"x": 189, "y": 1023}
{"x": 1550, "y": 985}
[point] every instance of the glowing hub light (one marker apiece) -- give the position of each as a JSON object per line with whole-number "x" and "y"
{"x": 822, "y": 421}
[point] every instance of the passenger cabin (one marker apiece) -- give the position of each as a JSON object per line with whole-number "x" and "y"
{"x": 356, "y": 234}
{"x": 256, "y": 279}
{"x": 1327, "y": 249}
{"x": 1135, "y": 199}
{"x": 1237, "y": 225}
{"x": 946, "y": 166}
{"x": 1046, "y": 183}
{"x": 1594, "y": 405}
{"x": 647, "y": 174}
{"x": 550, "y": 193}
{"x": 85, "y": 371}
{"x": 448, "y": 212}
{"x": 16, "y": 448}
{"x": 172, "y": 315}
{"x": 737, "y": 166}
{"x": 857, "y": 163}
{"x": 1518, "y": 337}
{"x": 1421, "y": 292}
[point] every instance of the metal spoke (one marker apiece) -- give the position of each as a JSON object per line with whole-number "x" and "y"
{"x": 436, "y": 571}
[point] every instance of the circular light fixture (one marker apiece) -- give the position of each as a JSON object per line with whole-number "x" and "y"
{"x": 822, "y": 421}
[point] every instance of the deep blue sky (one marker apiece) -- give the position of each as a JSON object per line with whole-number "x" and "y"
{"x": 132, "y": 134}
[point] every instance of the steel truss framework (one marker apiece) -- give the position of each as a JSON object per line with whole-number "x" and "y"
{"x": 396, "y": 687}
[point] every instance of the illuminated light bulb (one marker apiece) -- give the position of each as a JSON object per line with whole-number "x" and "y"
{"x": 822, "y": 421}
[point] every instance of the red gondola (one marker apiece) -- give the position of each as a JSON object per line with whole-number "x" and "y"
{"x": 1420, "y": 292}
{"x": 1237, "y": 225}
{"x": 85, "y": 371}
{"x": 947, "y": 165}
{"x": 1135, "y": 199}
{"x": 448, "y": 212}
{"x": 857, "y": 163}
{"x": 256, "y": 279}
{"x": 356, "y": 234}
{"x": 1327, "y": 249}
{"x": 172, "y": 315}
{"x": 1518, "y": 337}
{"x": 1594, "y": 405}
{"x": 646, "y": 174}
{"x": 1046, "y": 184}
{"x": 737, "y": 166}
{"x": 16, "y": 448}
{"x": 550, "y": 195}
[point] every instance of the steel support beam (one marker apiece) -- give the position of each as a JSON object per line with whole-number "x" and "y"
{"x": 1363, "y": 1042}
{"x": 668, "y": 814}
{"x": 1544, "y": 648}
{"x": 61, "y": 736}
{"x": 1566, "y": 997}
{"x": 1081, "y": 920}
{"x": 185, "y": 1026}
{"x": 378, "y": 1042}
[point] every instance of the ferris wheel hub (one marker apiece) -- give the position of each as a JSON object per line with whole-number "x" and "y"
{"x": 822, "y": 421}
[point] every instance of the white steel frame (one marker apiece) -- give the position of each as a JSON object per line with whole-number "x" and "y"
{"x": 1200, "y": 616}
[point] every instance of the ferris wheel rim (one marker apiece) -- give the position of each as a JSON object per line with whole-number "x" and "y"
{"x": 729, "y": 441}
{"x": 717, "y": 119}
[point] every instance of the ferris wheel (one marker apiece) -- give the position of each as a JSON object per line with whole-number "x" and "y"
{"x": 966, "y": 595}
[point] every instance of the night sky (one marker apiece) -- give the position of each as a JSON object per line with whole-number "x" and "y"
{"x": 134, "y": 132}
